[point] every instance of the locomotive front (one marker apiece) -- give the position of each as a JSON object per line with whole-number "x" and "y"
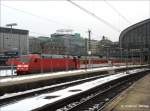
{"x": 25, "y": 64}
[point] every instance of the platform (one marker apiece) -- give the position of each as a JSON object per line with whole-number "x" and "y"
{"x": 135, "y": 98}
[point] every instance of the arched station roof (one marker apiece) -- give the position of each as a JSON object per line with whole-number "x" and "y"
{"x": 132, "y": 27}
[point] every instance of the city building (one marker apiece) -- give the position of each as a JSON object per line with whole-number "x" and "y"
{"x": 15, "y": 39}
{"x": 69, "y": 43}
{"x": 105, "y": 46}
{"x": 94, "y": 45}
{"x": 65, "y": 43}
{"x": 34, "y": 45}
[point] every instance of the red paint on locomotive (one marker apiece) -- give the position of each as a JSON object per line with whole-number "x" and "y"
{"x": 34, "y": 63}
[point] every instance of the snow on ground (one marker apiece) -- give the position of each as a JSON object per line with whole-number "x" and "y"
{"x": 41, "y": 100}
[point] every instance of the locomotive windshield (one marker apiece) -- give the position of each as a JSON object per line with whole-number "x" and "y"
{"x": 25, "y": 59}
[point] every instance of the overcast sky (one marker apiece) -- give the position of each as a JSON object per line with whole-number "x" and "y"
{"x": 45, "y": 17}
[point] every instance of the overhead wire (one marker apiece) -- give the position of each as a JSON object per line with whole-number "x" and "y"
{"x": 38, "y": 16}
{"x": 149, "y": 8}
{"x": 122, "y": 16}
{"x": 35, "y": 15}
{"x": 0, "y": 11}
{"x": 95, "y": 16}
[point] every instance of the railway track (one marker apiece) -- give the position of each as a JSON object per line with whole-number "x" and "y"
{"x": 28, "y": 82}
{"x": 78, "y": 97}
{"x": 20, "y": 95}
{"x": 96, "y": 99}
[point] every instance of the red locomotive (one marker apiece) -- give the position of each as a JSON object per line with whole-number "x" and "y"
{"x": 34, "y": 63}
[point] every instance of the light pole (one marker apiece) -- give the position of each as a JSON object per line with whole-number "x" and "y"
{"x": 141, "y": 56}
{"x": 105, "y": 47}
{"x": 121, "y": 51}
{"x": 11, "y": 25}
{"x": 107, "y": 55}
{"x": 132, "y": 56}
{"x": 89, "y": 47}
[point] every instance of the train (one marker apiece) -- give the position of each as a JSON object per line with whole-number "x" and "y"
{"x": 35, "y": 63}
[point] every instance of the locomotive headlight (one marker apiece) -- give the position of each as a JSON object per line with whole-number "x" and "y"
{"x": 25, "y": 66}
{"x": 19, "y": 66}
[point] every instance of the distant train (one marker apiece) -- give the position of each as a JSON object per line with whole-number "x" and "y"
{"x": 34, "y": 63}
